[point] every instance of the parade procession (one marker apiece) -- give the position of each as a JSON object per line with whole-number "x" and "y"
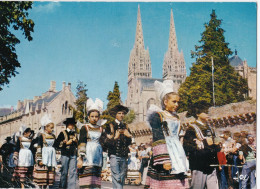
{"x": 193, "y": 129}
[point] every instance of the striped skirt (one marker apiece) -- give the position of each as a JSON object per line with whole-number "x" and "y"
{"x": 157, "y": 177}
{"x": 23, "y": 174}
{"x": 43, "y": 175}
{"x": 90, "y": 177}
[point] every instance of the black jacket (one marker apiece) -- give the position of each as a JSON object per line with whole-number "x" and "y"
{"x": 118, "y": 147}
{"x": 66, "y": 150}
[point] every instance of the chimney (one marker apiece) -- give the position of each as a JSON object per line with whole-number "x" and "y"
{"x": 63, "y": 85}
{"x": 19, "y": 105}
{"x": 69, "y": 86}
{"x": 35, "y": 98}
{"x": 53, "y": 86}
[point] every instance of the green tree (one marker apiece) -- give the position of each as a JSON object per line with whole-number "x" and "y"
{"x": 81, "y": 102}
{"x": 129, "y": 118}
{"x": 13, "y": 16}
{"x": 113, "y": 100}
{"x": 196, "y": 92}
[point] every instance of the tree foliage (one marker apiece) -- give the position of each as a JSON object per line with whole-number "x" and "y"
{"x": 113, "y": 100}
{"x": 129, "y": 118}
{"x": 197, "y": 91}
{"x": 13, "y": 16}
{"x": 82, "y": 98}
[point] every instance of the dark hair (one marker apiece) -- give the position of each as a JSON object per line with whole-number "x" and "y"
{"x": 227, "y": 132}
{"x": 89, "y": 112}
{"x": 166, "y": 97}
{"x": 32, "y": 134}
{"x": 27, "y": 130}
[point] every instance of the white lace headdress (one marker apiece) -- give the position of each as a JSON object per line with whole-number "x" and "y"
{"x": 97, "y": 105}
{"x": 165, "y": 87}
{"x": 45, "y": 120}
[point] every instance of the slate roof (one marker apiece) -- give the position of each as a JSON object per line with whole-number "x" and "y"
{"x": 46, "y": 100}
{"x": 4, "y": 111}
{"x": 236, "y": 61}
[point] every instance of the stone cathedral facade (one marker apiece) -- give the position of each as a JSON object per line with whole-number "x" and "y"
{"x": 141, "y": 93}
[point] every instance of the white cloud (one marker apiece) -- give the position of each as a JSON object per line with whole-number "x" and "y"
{"x": 46, "y": 7}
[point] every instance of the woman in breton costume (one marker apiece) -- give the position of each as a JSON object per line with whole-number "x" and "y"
{"x": 23, "y": 157}
{"x": 90, "y": 149}
{"x": 168, "y": 163}
{"x": 44, "y": 172}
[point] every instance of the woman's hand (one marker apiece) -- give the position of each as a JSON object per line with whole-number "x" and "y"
{"x": 167, "y": 166}
{"x": 80, "y": 163}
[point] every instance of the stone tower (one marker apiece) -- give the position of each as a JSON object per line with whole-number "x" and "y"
{"x": 174, "y": 65}
{"x": 139, "y": 65}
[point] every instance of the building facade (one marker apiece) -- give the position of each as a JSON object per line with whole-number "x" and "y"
{"x": 141, "y": 93}
{"x": 29, "y": 112}
{"x": 249, "y": 73}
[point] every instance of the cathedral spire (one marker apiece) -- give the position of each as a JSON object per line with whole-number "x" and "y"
{"x": 172, "y": 37}
{"x": 139, "y": 39}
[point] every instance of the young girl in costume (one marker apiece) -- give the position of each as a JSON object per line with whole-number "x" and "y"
{"x": 168, "y": 163}
{"x": 24, "y": 158}
{"x": 44, "y": 172}
{"x": 90, "y": 149}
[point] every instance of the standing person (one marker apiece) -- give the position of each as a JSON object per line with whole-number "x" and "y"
{"x": 5, "y": 151}
{"x": 168, "y": 163}
{"x": 44, "y": 172}
{"x": 24, "y": 158}
{"x": 68, "y": 143}
{"x": 144, "y": 158}
{"x": 199, "y": 147}
{"x": 90, "y": 149}
{"x": 117, "y": 141}
{"x": 227, "y": 148}
{"x": 249, "y": 168}
{"x": 132, "y": 161}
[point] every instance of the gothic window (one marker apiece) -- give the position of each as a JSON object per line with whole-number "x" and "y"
{"x": 62, "y": 111}
{"x": 66, "y": 107}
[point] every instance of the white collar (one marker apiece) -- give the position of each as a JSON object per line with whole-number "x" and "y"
{"x": 68, "y": 130}
{"x": 118, "y": 122}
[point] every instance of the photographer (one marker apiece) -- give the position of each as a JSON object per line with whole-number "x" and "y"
{"x": 117, "y": 141}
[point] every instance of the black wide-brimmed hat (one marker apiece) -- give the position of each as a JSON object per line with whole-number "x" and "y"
{"x": 118, "y": 108}
{"x": 70, "y": 120}
{"x": 8, "y": 138}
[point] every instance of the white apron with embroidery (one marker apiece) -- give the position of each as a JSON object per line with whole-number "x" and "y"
{"x": 176, "y": 152}
{"x": 25, "y": 155}
{"x": 94, "y": 150}
{"x": 49, "y": 154}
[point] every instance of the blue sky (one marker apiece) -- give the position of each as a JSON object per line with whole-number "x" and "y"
{"x": 91, "y": 42}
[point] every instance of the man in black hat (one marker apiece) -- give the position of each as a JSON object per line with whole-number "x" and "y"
{"x": 5, "y": 151}
{"x": 118, "y": 140}
{"x": 199, "y": 146}
{"x": 67, "y": 142}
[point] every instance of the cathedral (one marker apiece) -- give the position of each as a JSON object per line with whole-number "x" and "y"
{"x": 141, "y": 93}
